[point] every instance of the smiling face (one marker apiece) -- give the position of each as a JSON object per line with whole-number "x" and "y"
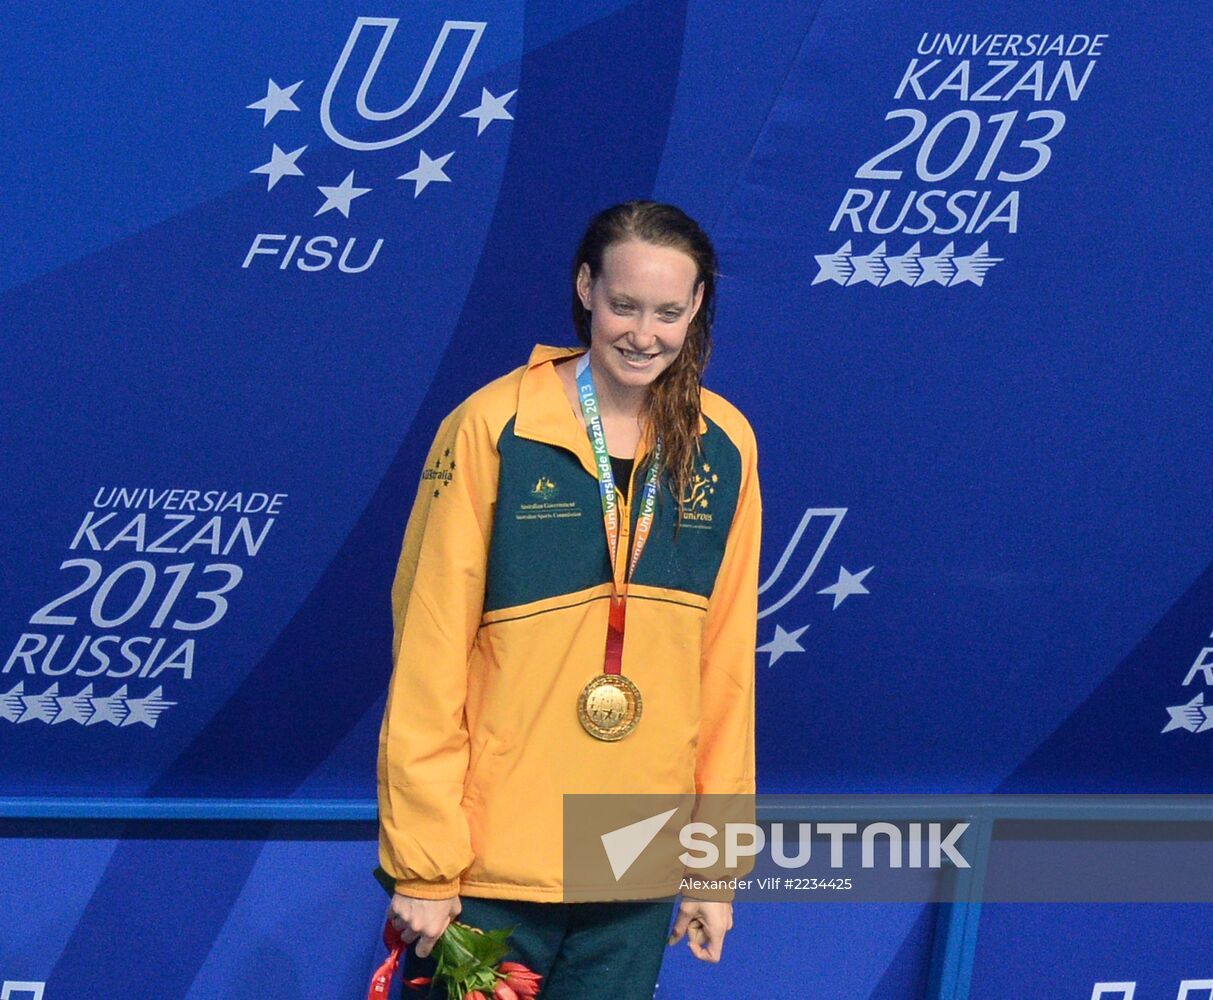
{"x": 641, "y": 305}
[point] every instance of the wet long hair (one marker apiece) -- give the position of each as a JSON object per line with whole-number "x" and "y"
{"x": 672, "y": 407}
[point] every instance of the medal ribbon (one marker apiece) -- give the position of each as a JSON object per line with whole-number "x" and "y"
{"x": 381, "y": 981}
{"x": 592, "y": 415}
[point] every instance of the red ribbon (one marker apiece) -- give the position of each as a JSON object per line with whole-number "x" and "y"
{"x": 614, "y": 637}
{"x": 381, "y": 981}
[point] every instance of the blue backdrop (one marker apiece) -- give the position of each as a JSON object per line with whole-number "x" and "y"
{"x": 256, "y": 254}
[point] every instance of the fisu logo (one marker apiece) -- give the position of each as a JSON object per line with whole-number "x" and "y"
{"x": 370, "y": 105}
{"x": 471, "y": 32}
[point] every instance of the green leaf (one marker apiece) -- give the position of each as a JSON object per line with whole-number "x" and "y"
{"x": 495, "y": 954}
{"x": 487, "y": 947}
{"x": 456, "y": 989}
{"x": 502, "y": 934}
{"x": 457, "y": 944}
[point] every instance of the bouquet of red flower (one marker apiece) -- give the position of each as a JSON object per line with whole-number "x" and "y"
{"x": 469, "y": 966}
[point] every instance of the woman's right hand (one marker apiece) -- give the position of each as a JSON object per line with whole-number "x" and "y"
{"x": 422, "y": 920}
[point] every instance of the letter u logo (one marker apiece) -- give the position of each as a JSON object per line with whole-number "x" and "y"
{"x": 798, "y": 547}
{"x": 471, "y": 30}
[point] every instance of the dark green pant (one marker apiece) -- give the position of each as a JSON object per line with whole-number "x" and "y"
{"x": 584, "y": 951}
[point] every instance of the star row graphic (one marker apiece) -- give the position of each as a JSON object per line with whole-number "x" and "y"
{"x": 844, "y": 267}
{"x": 84, "y": 708}
{"x": 429, "y": 169}
{"x": 1194, "y": 716}
{"x": 789, "y": 642}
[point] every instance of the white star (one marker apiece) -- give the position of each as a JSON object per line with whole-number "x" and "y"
{"x": 11, "y": 705}
{"x": 490, "y": 109}
{"x": 869, "y": 267}
{"x": 339, "y": 197}
{"x": 905, "y": 267}
{"x": 848, "y": 584}
{"x": 112, "y": 709}
{"x": 75, "y": 707}
{"x": 1190, "y": 716}
{"x": 147, "y": 710}
{"x": 974, "y": 267}
{"x": 43, "y": 707}
{"x": 784, "y": 642}
{"x": 939, "y": 268}
{"x": 834, "y": 266}
{"x": 427, "y": 170}
{"x": 279, "y": 166}
{"x": 276, "y": 99}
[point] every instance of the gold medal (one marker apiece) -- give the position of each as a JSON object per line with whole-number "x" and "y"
{"x": 609, "y": 706}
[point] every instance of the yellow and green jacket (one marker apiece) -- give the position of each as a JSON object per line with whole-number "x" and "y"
{"x": 500, "y": 605}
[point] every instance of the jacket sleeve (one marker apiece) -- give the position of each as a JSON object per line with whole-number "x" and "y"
{"x": 724, "y": 762}
{"x": 437, "y": 598}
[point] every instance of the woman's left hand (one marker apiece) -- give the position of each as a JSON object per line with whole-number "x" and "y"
{"x": 705, "y": 924}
